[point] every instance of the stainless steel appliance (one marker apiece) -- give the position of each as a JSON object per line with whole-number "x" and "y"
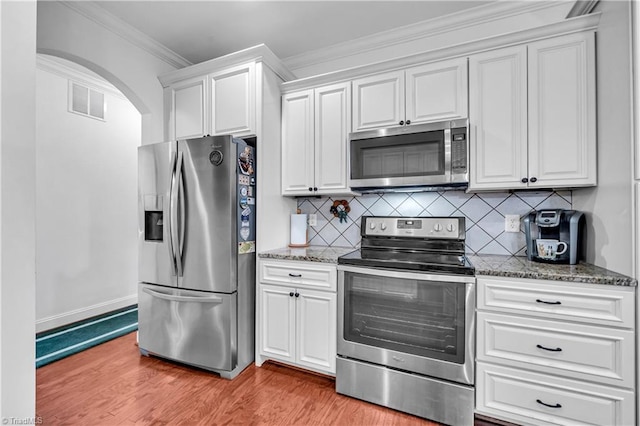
{"x": 197, "y": 214}
{"x": 546, "y": 228}
{"x": 403, "y": 158}
{"x": 406, "y": 304}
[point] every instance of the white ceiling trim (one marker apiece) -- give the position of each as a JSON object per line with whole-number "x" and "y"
{"x": 127, "y": 32}
{"x": 582, "y": 7}
{"x": 46, "y": 64}
{"x": 429, "y": 28}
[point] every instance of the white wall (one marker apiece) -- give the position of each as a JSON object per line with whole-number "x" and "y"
{"x": 64, "y": 32}
{"x": 86, "y": 199}
{"x": 17, "y": 205}
{"x": 609, "y": 206}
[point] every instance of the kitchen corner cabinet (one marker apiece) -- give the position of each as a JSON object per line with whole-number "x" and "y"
{"x": 532, "y": 114}
{"x": 297, "y": 314}
{"x": 554, "y": 352}
{"x": 223, "y": 102}
{"x": 432, "y": 92}
{"x": 315, "y": 127}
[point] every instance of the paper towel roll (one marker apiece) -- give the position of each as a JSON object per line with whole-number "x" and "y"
{"x": 298, "y": 230}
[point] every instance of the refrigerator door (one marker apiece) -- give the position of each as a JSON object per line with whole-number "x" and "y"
{"x": 156, "y": 256}
{"x": 192, "y": 327}
{"x": 207, "y": 253}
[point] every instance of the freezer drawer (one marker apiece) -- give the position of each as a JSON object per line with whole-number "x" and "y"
{"x": 193, "y": 327}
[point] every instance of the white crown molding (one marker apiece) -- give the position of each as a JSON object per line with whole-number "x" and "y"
{"x": 582, "y": 23}
{"x": 44, "y": 63}
{"x": 582, "y": 7}
{"x": 455, "y": 21}
{"x": 259, "y": 53}
{"x": 117, "y": 26}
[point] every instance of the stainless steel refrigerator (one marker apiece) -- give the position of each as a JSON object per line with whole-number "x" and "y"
{"x": 196, "y": 297}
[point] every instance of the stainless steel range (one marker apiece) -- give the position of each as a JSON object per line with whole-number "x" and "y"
{"x": 406, "y": 318}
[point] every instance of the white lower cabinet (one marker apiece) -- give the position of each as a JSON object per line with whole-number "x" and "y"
{"x": 296, "y": 319}
{"x": 555, "y": 352}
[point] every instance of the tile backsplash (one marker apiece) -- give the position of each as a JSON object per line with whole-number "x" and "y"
{"x": 484, "y": 212}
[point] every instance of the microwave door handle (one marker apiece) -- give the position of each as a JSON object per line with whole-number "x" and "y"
{"x": 447, "y": 155}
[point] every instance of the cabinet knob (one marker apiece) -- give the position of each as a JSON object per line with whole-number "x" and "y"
{"x": 310, "y": 189}
{"x": 315, "y": 188}
{"x": 534, "y": 179}
{"x": 401, "y": 122}
{"x": 408, "y": 122}
{"x": 297, "y": 294}
{"x": 291, "y": 294}
{"x": 524, "y": 180}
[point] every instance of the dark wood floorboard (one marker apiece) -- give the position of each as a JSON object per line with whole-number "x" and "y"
{"x": 111, "y": 384}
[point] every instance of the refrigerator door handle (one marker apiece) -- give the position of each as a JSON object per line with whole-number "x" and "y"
{"x": 175, "y": 193}
{"x": 171, "y": 216}
{"x": 181, "y": 216}
{"x": 174, "y": 298}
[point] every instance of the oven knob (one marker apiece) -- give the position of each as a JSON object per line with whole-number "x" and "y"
{"x": 383, "y": 226}
{"x": 372, "y": 225}
{"x": 450, "y": 227}
{"x": 437, "y": 227}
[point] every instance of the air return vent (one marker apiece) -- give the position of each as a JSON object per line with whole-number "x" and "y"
{"x": 86, "y": 101}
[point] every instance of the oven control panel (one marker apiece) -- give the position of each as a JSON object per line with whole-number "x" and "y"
{"x": 413, "y": 227}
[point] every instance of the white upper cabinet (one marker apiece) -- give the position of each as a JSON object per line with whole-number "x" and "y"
{"x": 297, "y": 143}
{"x": 188, "y": 110}
{"x": 532, "y": 113}
{"x": 315, "y": 127}
{"x": 223, "y": 102}
{"x": 425, "y": 93}
{"x": 378, "y": 101}
{"x": 436, "y": 91}
{"x": 562, "y": 111}
{"x": 233, "y": 101}
{"x": 498, "y": 118}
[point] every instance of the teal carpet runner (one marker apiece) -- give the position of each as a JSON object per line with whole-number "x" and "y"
{"x": 64, "y": 341}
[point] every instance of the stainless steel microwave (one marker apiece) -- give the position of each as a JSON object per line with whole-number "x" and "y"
{"x": 424, "y": 155}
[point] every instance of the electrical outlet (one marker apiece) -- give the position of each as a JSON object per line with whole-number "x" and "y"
{"x": 313, "y": 220}
{"x": 511, "y": 223}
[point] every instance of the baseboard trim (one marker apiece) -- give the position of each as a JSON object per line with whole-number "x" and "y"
{"x": 65, "y": 318}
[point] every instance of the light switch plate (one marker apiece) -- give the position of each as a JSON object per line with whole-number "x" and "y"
{"x": 511, "y": 223}
{"x": 313, "y": 220}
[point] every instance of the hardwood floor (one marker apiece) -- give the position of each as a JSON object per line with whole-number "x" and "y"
{"x": 111, "y": 384}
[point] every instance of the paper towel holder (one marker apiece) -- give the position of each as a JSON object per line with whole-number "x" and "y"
{"x": 293, "y": 244}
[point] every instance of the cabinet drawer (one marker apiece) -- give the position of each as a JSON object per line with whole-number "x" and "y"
{"x": 519, "y": 396}
{"x": 594, "y": 353}
{"x": 596, "y": 304}
{"x": 299, "y": 274}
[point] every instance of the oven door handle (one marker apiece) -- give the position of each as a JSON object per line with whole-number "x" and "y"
{"x": 422, "y": 276}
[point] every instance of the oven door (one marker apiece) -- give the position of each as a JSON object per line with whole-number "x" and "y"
{"x": 417, "y": 322}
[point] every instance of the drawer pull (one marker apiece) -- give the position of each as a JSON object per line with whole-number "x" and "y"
{"x": 548, "y": 303}
{"x": 548, "y": 405}
{"x": 549, "y": 349}
{"x": 295, "y": 275}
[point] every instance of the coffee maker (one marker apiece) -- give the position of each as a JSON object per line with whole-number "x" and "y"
{"x": 548, "y": 230}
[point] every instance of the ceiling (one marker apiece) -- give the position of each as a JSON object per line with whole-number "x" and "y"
{"x": 203, "y": 30}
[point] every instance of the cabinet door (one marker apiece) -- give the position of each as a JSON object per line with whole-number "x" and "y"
{"x": 332, "y": 126}
{"x": 562, "y": 113}
{"x": 297, "y": 143}
{"x": 378, "y": 101}
{"x": 437, "y": 91}
{"x": 277, "y": 322}
{"x": 316, "y": 335}
{"x": 498, "y": 118}
{"x": 188, "y": 109}
{"x": 233, "y": 101}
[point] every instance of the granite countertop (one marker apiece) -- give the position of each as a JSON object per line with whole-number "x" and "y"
{"x": 309, "y": 254}
{"x": 520, "y": 267}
